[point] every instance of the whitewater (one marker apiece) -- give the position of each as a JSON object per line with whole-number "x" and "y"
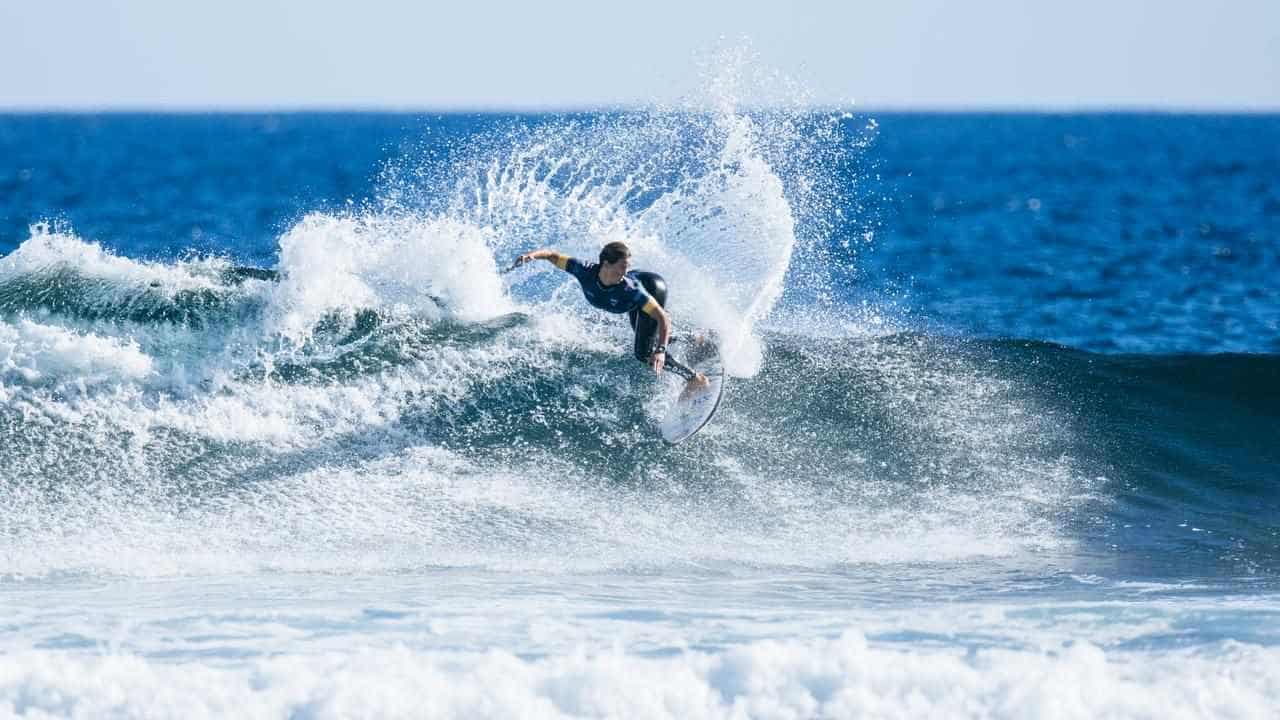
{"x": 376, "y": 477}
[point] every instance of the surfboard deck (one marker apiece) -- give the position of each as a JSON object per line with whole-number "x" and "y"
{"x": 693, "y": 409}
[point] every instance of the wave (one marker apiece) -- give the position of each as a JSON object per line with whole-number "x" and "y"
{"x": 526, "y": 438}
{"x": 838, "y": 677}
{"x": 385, "y": 395}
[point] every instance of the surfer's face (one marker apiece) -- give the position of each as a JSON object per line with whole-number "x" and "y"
{"x": 612, "y": 272}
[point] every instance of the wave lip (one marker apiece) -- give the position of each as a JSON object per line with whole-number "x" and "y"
{"x": 426, "y": 267}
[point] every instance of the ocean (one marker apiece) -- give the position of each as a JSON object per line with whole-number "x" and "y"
{"x": 280, "y": 439}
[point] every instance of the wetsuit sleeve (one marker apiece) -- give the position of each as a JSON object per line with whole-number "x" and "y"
{"x": 643, "y": 301}
{"x": 570, "y": 265}
{"x": 649, "y": 306}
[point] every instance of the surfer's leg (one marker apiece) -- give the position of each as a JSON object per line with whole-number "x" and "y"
{"x": 647, "y": 328}
{"x": 646, "y": 335}
{"x": 676, "y": 367}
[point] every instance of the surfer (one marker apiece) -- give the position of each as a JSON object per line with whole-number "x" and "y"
{"x": 612, "y": 286}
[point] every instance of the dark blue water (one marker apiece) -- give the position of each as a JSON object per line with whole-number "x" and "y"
{"x": 1108, "y": 232}
{"x": 1129, "y": 233}
{"x": 1003, "y": 422}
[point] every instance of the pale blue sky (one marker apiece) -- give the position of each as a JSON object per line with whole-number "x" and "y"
{"x": 170, "y": 54}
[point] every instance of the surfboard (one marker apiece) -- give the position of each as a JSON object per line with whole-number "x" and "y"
{"x": 694, "y": 408}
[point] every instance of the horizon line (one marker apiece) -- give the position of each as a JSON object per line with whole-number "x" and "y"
{"x": 568, "y": 109}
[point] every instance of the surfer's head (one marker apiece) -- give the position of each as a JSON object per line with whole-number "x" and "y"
{"x": 615, "y": 258}
{"x": 613, "y": 252}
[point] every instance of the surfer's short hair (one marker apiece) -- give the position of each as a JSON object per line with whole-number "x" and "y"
{"x": 614, "y": 251}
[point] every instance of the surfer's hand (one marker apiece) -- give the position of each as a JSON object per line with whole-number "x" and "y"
{"x": 657, "y": 360}
{"x": 520, "y": 260}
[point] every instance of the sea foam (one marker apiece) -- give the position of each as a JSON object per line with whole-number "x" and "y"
{"x": 841, "y": 677}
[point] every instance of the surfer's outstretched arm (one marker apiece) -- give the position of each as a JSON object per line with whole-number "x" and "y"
{"x": 558, "y": 259}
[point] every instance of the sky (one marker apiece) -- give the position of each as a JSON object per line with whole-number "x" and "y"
{"x": 478, "y": 54}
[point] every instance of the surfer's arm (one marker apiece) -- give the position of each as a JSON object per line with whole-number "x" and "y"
{"x": 560, "y": 260}
{"x": 659, "y": 359}
{"x": 655, "y": 311}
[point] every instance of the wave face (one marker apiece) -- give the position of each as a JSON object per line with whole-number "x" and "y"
{"x": 180, "y": 409}
{"x": 166, "y": 408}
{"x": 195, "y": 414}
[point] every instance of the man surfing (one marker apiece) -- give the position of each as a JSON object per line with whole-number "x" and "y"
{"x": 612, "y": 286}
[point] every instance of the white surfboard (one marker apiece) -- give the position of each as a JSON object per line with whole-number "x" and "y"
{"x": 695, "y": 407}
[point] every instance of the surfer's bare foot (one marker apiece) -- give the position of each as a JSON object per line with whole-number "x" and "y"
{"x": 695, "y": 384}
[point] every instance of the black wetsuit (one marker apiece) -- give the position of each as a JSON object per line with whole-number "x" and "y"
{"x": 647, "y": 328}
{"x": 631, "y": 296}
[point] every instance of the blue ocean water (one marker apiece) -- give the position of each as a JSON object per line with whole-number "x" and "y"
{"x": 279, "y": 439}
